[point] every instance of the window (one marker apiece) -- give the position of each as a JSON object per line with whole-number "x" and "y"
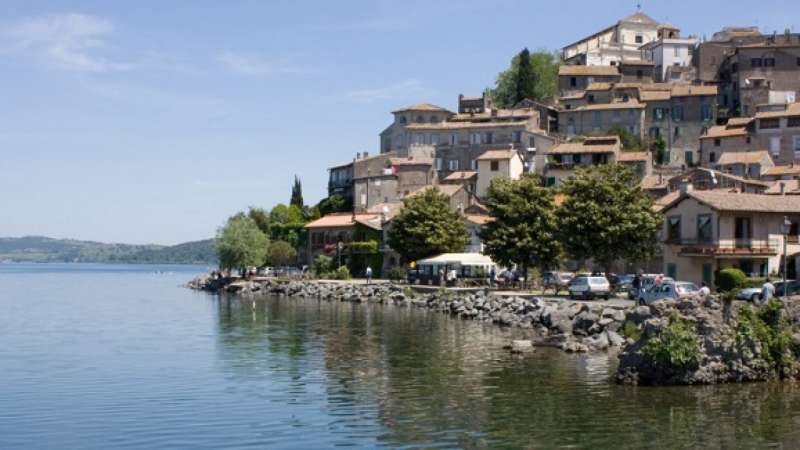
{"x": 796, "y": 146}
{"x": 453, "y": 139}
{"x": 576, "y": 159}
{"x": 655, "y": 132}
{"x": 677, "y": 113}
{"x": 516, "y": 136}
{"x": 712, "y": 157}
{"x": 704, "y": 228}
{"x": 590, "y": 98}
{"x": 717, "y": 142}
{"x": 769, "y": 124}
{"x": 705, "y": 110}
{"x": 775, "y": 145}
{"x": 793, "y": 122}
{"x": 769, "y": 62}
{"x": 473, "y": 165}
{"x": 453, "y": 165}
{"x": 494, "y": 166}
{"x": 438, "y": 163}
{"x": 531, "y": 142}
{"x": 677, "y": 51}
{"x": 748, "y": 139}
{"x": 672, "y": 271}
{"x": 639, "y": 74}
{"x": 755, "y": 62}
{"x": 403, "y": 120}
{"x": 573, "y": 82}
{"x": 420, "y": 119}
{"x": 658, "y": 114}
{"x": 677, "y": 131}
{"x": 474, "y": 138}
{"x": 419, "y": 138}
{"x": 488, "y": 138}
{"x": 742, "y": 229}
{"x": 639, "y": 39}
{"x": 434, "y": 139}
{"x": 551, "y": 181}
{"x": 674, "y": 228}
{"x": 596, "y": 118}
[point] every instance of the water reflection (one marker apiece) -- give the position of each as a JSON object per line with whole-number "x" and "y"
{"x": 412, "y": 378}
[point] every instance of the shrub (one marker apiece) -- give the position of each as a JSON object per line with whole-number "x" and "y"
{"x": 730, "y": 280}
{"x": 676, "y": 347}
{"x": 323, "y": 264}
{"x": 342, "y": 273}
{"x": 396, "y": 273}
{"x": 769, "y": 332}
{"x": 631, "y": 330}
{"x": 754, "y": 282}
{"x": 365, "y": 247}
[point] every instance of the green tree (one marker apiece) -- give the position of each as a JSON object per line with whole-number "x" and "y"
{"x": 287, "y": 224}
{"x": 630, "y": 141}
{"x": 281, "y": 253}
{"x": 525, "y": 228}
{"x": 240, "y": 244}
{"x": 544, "y": 66}
{"x": 659, "y": 150}
{"x": 526, "y": 78}
{"x": 427, "y": 226}
{"x": 606, "y": 216}
{"x": 297, "y": 194}
{"x": 260, "y": 217}
{"x": 333, "y": 204}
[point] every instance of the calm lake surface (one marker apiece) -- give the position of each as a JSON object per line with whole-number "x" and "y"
{"x": 106, "y": 357}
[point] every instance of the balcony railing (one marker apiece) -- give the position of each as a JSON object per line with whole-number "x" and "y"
{"x": 726, "y": 247}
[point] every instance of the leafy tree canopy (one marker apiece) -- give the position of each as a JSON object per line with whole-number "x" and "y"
{"x": 525, "y": 229}
{"x": 333, "y": 204}
{"x": 281, "y": 253}
{"x": 512, "y": 86}
{"x": 427, "y": 226}
{"x": 607, "y": 217}
{"x": 282, "y": 214}
{"x": 260, "y": 217}
{"x": 240, "y": 243}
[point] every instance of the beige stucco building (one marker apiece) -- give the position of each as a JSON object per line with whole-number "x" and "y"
{"x": 495, "y": 164}
{"x": 611, "y": 45}
{"x": 705, "y": 231}
{"x": 778, "y": 130}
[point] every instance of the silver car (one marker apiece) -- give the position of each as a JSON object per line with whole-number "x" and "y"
{"x": 589, "y": 287}
{"x": 750, "y": 294}
{"x": 674, "y": 290}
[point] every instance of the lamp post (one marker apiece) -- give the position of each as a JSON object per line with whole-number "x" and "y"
{"x": 339, "y": 247}
{"x": 786, "y": 227}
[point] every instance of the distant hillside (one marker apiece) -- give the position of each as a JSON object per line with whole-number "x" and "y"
{"x": 44, "y": 249}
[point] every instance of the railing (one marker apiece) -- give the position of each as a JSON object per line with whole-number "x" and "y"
{"x": 731, "y": 246}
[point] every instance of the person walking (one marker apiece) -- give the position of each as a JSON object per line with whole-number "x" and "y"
{"x": 704, "y": 291}
{"x": 767, "y": 291}
{"x": 369, "y": 275}
{"x": 492, "y": 277}
{"x": 636, "y": 285}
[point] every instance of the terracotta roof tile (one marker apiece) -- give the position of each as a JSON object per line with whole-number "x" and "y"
{"x": 632, "y": 157}
{"x": 721, "y": 131}
{"x": 490, "y": 155}
{"x": 465, "y": 125}
{"x": 342, "y": 220}
{"x": 570, "y": 70}
{"x": 743, "y": 157}
{"x": 782, "y": 170}
{"x": 631, "y": 104}
{"x": 789, "y": 187}
{"x": 607, "y": 144}
{"x": 461, "y": 175}
{"x": 728, "y": 201}
{"x": 792, "y": 109}
{"x": 422, "y": 107}
{"x": 479, "y": 219}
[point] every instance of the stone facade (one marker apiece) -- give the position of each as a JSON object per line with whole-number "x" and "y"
{"x": 778, "y": 130}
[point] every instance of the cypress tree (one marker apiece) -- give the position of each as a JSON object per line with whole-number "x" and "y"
{"x": 297, "y": 193}
{"x": 525, "y": 86}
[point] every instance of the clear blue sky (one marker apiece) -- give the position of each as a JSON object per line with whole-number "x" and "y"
{"x": 153, "y": 121}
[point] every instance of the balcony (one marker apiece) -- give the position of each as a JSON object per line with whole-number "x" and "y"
{"x": 734, "y": 247}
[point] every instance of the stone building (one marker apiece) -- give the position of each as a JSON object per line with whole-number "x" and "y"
{"x": 679, "y": 114}
{"x": 575, "y": 79}
{"x": 778, "y": 129}
{"x": 563, "y": 159}
{"x": 703, "y": 179}
{"x": 397, "y": 138}
{"x": 388, "y": 178}
{"x": 461, "y": 138}
{"x": 745, "y": 164}
{"x": 710, "y": 56}
{"x": 735, "y": 136}
{"x": 766, "y": 72}
{"x": 599, "y": 118}
{"x": 340, "y": 181}
{"x": 614, "y": 44}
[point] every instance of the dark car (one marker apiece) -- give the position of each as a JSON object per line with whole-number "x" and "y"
{"x": 557, "y": 281}
{"x": 794, "y": 288}
{"x": 624, "y": 283}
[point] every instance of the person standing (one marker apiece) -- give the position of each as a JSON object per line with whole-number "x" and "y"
{"x": 492, "y": 277}
{"x": 704, "y": 291}
{"x": 369, "y": 274}
{"x": 636, "y": 284}
{"x": 767, "y": 291}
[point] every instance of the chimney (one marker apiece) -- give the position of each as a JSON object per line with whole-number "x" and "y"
{"x": 358, "y": 155}
{"x": 783, "y": 188}
{"x": 366, "y": 154}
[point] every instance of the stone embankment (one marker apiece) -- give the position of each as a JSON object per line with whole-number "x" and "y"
{"x": 571, "y": 326}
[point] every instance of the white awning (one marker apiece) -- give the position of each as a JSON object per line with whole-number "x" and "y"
{"x": 463, "y": 259}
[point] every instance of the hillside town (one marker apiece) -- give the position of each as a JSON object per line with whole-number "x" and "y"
{"x": 723, "y": 110}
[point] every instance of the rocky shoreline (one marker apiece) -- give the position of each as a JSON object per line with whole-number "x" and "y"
{"x": 709, "y": 350}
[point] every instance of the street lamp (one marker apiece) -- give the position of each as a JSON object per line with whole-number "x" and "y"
{"x": 786, "y": 227}
{"x": 339, "y": 247}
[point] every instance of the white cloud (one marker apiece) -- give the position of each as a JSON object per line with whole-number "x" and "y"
{"x": 254, "y": 65}
{"x": 66, "y": 41}
{"x": 402, "y": 89}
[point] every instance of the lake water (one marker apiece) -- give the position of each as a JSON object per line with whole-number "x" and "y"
{"x": 108, "y": 357}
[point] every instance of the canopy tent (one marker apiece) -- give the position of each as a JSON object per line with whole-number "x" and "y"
{"x": 462, "y": 259}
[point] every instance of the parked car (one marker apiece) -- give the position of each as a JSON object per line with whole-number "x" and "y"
{"x": 624, "y": 283}
{"x": 648, "y": 281}
{"x": 266, "y": 271}
{"x": 673, "y": 290}
{"x": 750, "y": 294}
{"x": 557, "y": 281}
{"x": 589, "y": 287}
{"x": 794, "y": 288}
